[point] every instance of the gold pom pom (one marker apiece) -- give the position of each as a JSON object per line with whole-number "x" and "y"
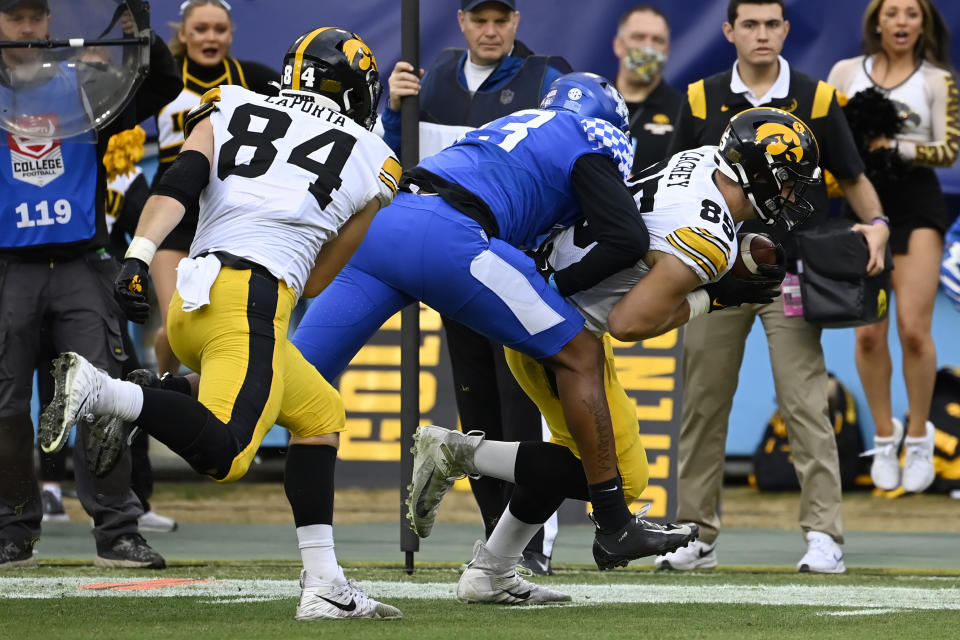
{"x": 124, "y": 151}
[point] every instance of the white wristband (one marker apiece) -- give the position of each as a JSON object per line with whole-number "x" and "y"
{"x": 699, "y": 302}
{"x": 142, "y": 249}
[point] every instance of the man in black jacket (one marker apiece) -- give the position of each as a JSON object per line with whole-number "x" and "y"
{"x": 56, "y": 273}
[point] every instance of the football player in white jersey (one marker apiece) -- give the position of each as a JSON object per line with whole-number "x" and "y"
{"x": 287, "y": 187}
{"x": 692, "y": 205}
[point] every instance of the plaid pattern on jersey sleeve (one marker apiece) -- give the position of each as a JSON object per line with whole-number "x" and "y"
{"x": 609, "y": 139}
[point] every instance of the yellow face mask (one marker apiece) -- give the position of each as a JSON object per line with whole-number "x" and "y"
{"x": 646, "y": 63}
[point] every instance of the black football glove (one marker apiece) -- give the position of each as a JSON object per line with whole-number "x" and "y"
{"x": 731, "y": 291}
{"x": 130, "y": 290}
{"x": 774, "y": 271}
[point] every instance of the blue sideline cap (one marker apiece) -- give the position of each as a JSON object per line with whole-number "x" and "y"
{"x": 470, "y": 5}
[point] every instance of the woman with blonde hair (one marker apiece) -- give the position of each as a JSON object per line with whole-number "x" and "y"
{"x": 201, "y": 48}
{"x": 906, "y": 50}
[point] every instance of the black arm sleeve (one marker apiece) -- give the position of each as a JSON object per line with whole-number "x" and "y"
{"x": 162, "y": 84}
{"x": 615, "y": 224}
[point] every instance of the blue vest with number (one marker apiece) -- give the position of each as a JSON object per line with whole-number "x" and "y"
{"x": 49, "y": 186}
{"x": 520, "y": 165}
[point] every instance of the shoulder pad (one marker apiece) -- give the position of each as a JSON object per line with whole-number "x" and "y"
{"x": 700, "y": 247}
{"x": 208, "y": 104}
{"x": 610, "y": 140}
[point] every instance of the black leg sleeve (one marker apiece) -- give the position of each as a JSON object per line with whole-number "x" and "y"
{"x": 308, "y": 482}
{"x": 190, "y": 430}
{"x": 533, "y": 506}
{"x": 550, "y": 469}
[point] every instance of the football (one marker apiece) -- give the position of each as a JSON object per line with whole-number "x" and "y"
{"x": 755, "y": 249}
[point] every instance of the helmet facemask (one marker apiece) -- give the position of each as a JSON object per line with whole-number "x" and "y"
{"x": 777, "y": 194}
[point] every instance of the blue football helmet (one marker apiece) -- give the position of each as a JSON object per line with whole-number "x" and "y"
{"x": 589, "y": 95}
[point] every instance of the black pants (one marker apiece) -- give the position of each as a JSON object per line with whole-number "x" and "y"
{"x": 72, "y": 300}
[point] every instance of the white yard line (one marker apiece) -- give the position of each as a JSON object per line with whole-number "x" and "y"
{"x": 848, "y": 599}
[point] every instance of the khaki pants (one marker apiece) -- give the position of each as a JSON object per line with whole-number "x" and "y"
{"x": 713, "y": 350}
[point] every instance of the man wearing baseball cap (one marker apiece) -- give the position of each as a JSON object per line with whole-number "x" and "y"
{"x": 54, "y": 265}
{"x": 465, "y": 88}
{"x": 13, "y": 28}
{"x": 7, "y": 6}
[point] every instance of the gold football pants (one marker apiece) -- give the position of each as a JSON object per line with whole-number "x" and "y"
{"x": 251, "y": 375}
{"x": 631, "y": 456}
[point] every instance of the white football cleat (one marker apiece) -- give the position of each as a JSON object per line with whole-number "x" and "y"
{"x": 493, "y": 579}
{"x": 696, "y": 555}
{"x": 823, "y": 555}
{"x": 339, "y": 602}
{"x": 918, "y": 470}
{"x": 440, "y": 458}
{"x": 885, "y": 469}
{"x": 153, "y": 521}
{"x": 77, "y": 388}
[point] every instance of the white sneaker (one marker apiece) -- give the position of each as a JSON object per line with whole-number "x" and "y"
{"x": 696, "y": 555}
{"x": 918, "y": 471}
{"x": 153, "y": 521}
{"x": 885, "y": 470}
{"x": 77, "y": 388}
{"x": 493, "y": 579}
{"x": 440, "y": 458}
{"x": 335, "y": 602}
{"x": 823, "y": 555}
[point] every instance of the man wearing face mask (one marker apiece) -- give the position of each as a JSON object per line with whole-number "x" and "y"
{"x": 642, "y": 45}
{"x": 464, "y": 89}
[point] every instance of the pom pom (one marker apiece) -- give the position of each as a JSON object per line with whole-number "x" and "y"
{"x": 124, "y": 151}
{"x": 872, "y": 115}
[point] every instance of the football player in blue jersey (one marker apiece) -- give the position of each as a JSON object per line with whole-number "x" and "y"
{"x": 454, "y": 239}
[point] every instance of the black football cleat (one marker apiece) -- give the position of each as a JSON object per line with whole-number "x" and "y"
{"x": 640, "y": 538}
{"x": 110, "y": 436}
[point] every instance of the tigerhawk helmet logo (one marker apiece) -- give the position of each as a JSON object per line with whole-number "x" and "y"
{"x": 780, "y": 139}
{"x": 359, "y": 55}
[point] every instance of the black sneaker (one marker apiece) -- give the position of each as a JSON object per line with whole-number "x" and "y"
{"x": 52, "y": 507}
{"x": 13, "y": 555}
{"x": 129, "y": 551}
{"x": 536, "y": 562}
{"x": 640, "y": 538}
{"x": 110, "y": 436}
